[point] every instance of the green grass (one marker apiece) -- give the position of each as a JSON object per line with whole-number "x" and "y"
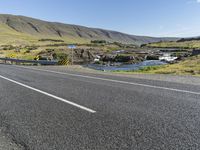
{"x": 190, "y": 66}
{"x": 9, "y": 36}
{"x": 187, "y": 44}
{"x": 12, "y": 37}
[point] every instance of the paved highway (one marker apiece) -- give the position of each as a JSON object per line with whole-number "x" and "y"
{"x": 46, "y": 109}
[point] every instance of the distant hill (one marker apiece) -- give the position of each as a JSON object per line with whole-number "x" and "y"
{"x": 20, "y": 28}
{"x": 185, "y": 43}
{"x": 189, "y": 39}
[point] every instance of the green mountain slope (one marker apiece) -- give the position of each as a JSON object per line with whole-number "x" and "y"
{"x": 23, "y": 29}
{"x": 187, "y": 44}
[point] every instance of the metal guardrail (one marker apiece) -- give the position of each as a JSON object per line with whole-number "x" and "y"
{"x": 41, "y": 62}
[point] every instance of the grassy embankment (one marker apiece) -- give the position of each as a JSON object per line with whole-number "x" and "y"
{"x": 190, "y": 66}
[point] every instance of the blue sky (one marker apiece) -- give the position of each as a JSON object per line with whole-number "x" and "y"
{"x": 141, "y": 17}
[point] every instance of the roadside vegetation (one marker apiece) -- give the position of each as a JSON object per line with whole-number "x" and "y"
{"x": 56, "y": 49}
{"x": 190, "y": 66}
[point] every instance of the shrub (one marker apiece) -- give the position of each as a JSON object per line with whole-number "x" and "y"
{"x": 51, "y": 40}
{"x": 8, "y": 47}
{"x": 50, "y": 50}
{"x": 99, "y": 42}
{"x": 28, "y": 51}
{"x": 60, "y": 56}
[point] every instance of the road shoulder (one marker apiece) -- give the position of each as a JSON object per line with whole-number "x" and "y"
{"x": 191, "y": 80}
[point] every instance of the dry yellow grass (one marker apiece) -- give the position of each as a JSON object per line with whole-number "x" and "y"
{"x": 190, "y": 66}
{"x": 187, "y": 44}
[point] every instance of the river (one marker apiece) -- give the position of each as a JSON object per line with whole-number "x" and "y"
{"x": 126, "y": 67}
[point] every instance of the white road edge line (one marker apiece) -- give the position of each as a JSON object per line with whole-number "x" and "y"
{"x": 50, "y": 95}
{"x": 116, "y": 81}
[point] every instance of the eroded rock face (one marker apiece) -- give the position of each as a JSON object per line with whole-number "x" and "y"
{"x": 83, "y": 55}
{"x": 152, "y": 57}
{"x": 123, "y": 59}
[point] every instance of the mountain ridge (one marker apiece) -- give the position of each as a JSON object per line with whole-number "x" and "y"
{"x": 42, "y": 29}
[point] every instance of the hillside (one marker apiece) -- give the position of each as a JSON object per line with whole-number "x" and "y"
{"x": 189, "y": 39}
{"x": 187, "y": 43}
{"x": 20, "y": 29}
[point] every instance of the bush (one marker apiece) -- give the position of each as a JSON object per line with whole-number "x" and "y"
{"x": 99, "y": 42}
{"x": 60, "y": 56}
{"x": 50, "y": 50}
{"x": 28, "y": 51}
{"x": 51, "y": 40}
{"x": 149, "y": 68}
{"x": 8, "y": 47}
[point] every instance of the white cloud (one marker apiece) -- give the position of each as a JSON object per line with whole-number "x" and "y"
{"x": 198, "y": 1}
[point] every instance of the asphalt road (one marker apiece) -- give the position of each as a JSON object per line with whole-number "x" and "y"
{"x": 67, "y": 110}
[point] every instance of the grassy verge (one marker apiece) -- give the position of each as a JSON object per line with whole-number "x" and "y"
{"x": 191, "y": 66}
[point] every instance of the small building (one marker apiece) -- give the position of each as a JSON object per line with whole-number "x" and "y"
{"x": 196, "y": 52}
